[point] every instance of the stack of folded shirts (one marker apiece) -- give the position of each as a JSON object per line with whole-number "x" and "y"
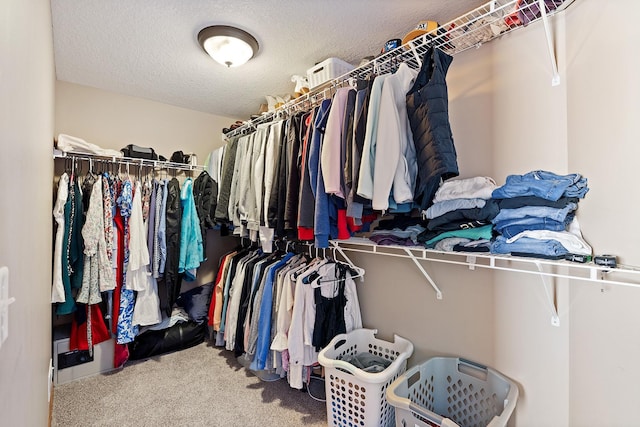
{"x": 401, "y": 230}
{"x": 461, "y": 214}
{"x": 537, "y": 215}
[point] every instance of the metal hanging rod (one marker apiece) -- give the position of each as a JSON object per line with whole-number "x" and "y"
{"x": 127, "y": 161}
{"x": 483, "y": 24}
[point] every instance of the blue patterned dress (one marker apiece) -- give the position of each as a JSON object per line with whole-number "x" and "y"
{"x": 126, "y": 329}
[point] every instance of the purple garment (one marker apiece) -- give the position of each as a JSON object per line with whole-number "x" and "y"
{"x": 389, "y": 239}
{"x": 529, "y": 10}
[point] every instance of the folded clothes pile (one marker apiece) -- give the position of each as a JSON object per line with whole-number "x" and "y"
{"x": 461, "y": 214}
{"x": 401, "y": 230}
{"x": 537, "y": 215}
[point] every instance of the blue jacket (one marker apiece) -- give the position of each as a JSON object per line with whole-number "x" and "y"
{"x": 191, "y": 250}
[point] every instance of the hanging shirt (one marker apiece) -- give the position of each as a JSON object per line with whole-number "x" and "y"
{"x": 271, "y": 161}
{"x": 264, "y": 321}
{"x": 365, "y": 178}
{"x": 332, "y": 147}
{"x": 57, "y": 289}
{"x": 127, "y": 331}
{"x": 137, "y": 271}
{"x": 98, "y": 274}
{"x": 191, "y": 252}
{"x": 395, "y": 164}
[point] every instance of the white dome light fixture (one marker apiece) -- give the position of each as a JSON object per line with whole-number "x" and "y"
{"x": 229, "y": 46}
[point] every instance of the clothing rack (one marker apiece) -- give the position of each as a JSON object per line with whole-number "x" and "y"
{"x": 483, "y": 24}
{"x": 125, "y": 161}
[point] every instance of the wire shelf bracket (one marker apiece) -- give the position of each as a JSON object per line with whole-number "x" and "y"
{"x": 425, "y": 274}
{"x": 555, "y": 80}
{"x": 552, "y": 297}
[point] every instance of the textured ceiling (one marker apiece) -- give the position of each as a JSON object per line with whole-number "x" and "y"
{"x": 148, "y": 48}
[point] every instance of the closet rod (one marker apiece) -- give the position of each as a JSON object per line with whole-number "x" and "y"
{"x": 483, "y": 24}
{"x": 128, "y": 161}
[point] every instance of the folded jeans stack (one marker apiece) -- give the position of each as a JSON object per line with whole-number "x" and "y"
{"x": 537, "y": 215}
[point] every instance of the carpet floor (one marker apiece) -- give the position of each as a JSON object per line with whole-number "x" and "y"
{"x": 199, "y": 386}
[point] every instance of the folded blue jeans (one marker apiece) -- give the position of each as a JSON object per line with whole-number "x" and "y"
{"x": 547, "y": 185}
{"x": 528, "y": 245}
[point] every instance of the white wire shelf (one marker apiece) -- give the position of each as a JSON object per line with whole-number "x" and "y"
{"x": 125, "y": 161}
{"x": 621, "y": 275}
{"x": 481, "y": 25}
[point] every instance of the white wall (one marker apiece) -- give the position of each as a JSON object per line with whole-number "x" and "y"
{"x": 26, "y": 131}
{"x": 112, "y": 120}
{"x": 604, "y": 130}
{"x": 508, "y": 119}
{"x": 530, "y": 133}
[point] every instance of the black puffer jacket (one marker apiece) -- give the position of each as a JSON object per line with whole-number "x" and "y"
{"x": 205, "y": 194}
{"x": 228, "y": 161}
{"x": 428, "y": 110}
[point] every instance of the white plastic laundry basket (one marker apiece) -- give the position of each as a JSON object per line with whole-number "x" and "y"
{"x": 449, "y": 391}
{"x": 356, "y": 397}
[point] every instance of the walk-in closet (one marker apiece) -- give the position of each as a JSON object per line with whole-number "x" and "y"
{"x": 371, "y": 213}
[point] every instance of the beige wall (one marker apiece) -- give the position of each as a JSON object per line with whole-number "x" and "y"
{"x": 111, "y": 120}
{"x": 604, "y": 130}
{"x": 508, "y": 119}
{"x": 26, "y": 131}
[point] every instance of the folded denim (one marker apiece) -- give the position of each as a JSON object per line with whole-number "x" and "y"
{"x": 512, "y": 228}
{"x": 521, "y": 202}
{"x": 548, "y": 247}
{"x": 573, "y": 243}
{"x": 537, "y": 223}
{"x": 441, "y": 208}
{"x": 546, "y": 185}
{"x": 555, "y": 214}
{"x": 479, "y": 187}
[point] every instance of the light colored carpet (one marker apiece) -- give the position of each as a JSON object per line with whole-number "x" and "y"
{"x": 200, "y": 386}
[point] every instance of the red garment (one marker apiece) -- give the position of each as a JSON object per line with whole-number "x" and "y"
{"x": 343, "y": 230}
{"x": 212, "y": 304}
{"x": 119, "y": 270}
{"x": 99, "y": 330}
{"x": 305, "y": 233}
{"x": 120, "y": 355}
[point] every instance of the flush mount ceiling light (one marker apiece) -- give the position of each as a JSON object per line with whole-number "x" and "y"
{"x": 229, "y": 46}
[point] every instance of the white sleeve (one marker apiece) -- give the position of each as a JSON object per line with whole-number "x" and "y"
{"x": 387, "y": 150}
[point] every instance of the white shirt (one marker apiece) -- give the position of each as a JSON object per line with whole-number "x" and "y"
{"x": 271, "y": 155}
{"x": 300, "y": 340}
{"x": 365, "y": 177}
{"x": 57, "y": 288}
{"x": 395, "y": 161}
{"x": 330, "y": 157}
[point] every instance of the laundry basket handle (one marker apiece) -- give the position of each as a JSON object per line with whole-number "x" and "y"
{"x": 473, "y": 368}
